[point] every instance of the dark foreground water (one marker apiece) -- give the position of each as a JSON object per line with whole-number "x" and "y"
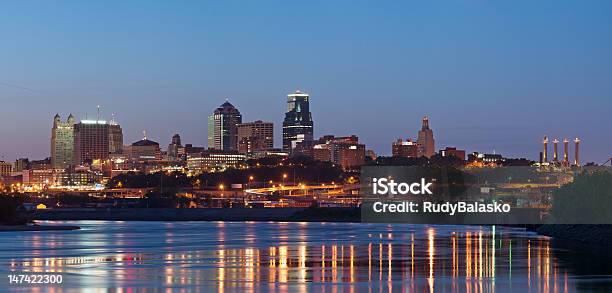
{"x": 290, "y": 257}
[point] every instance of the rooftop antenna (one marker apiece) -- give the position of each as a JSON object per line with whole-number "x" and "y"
{"x": 112, "y": 119}
{"x": 98, "y": 117}
{"x": 144, "y": 134}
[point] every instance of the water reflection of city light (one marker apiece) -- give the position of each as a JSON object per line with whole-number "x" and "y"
{"x": 427, "y": 260}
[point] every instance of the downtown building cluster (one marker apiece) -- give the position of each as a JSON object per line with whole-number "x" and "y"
{"x": 86, "y": 153}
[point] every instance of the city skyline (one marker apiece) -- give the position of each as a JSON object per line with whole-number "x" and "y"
{"x": 431, "y": 149}
{"x": 490, "y": 77}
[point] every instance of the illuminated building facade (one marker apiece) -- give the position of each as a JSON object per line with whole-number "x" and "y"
{"x": 407, "y": 149}
{"x": 5, "y": 168}
{"x": 213, "y": 161}
{"x": 222, "y": 128}
{"x": 62, "y": 142}
{"x": 297, "y": 125}
{"x": 91, "y": 141}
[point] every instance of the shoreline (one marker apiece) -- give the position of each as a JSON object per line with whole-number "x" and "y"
{"x": 211, "y": 214}
{"x": 590, "y": 235}
{"x": 36, "y": 227}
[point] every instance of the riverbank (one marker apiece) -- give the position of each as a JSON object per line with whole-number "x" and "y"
{"x": 233, "y": 214}
{"x": 34, "y": 227}
{"x": 592, "y": 235}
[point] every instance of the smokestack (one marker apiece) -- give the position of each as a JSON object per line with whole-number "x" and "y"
{"x": 565, "y": 150}
{"x": 555, "y": 142}
{"x": 577, "y": 152}
{"x": 545, "y": 153}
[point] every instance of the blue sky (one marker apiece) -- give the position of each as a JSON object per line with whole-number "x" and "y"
{"x": 490, "y": 74}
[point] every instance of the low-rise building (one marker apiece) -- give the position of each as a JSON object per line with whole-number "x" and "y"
{"x": 213, "y": 161}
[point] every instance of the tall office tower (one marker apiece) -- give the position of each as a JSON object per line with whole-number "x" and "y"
{"x": 555, "y": 155}
{"x": 174, "y": 146}
{"x": 91, "y": 141}
{"x": 577, "y": 152}
{"x": 115, "y": 138}
{"x": 62, "y": 142}
{"x": 222, "y": 128}
{"x": 565, "y": 152}
{"x": 545, "y": 153}
{"x": 255, "y": 136}
{"x": 298, "y": 125}
{"x": 427, "y": 147}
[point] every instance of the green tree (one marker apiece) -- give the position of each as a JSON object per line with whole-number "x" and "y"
{"x": 587, "y": 200}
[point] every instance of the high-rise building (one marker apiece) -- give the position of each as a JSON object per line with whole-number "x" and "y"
{"x": 298, "y": 125}
{"x": 222, "y": 128}
{"x": 255, "y": 136}
{"x": 115, "y": 138}
{"x": 62, "y": 142}
{"x": 425, "y": 140}
{"x": 407, "y": 149}
{"x": 173, "y": 147}
{"x": 91, "y": 141}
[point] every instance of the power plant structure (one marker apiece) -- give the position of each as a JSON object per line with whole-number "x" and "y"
{"x": 577, "y": 152}
{"x": 545, "y": 153}
{"x": 565, "y": 154}
{"x": 555, "y": 160}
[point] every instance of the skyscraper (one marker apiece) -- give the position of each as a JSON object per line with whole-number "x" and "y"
{"x": 62, "y": 142}
{"x": 91, "y": 141}
{"x": 222, "y": 128}
{"x": 298, "y": 125}
{"x": 425, "y": 140}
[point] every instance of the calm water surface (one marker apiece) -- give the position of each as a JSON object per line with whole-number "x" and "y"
{"x": 331, "y": 257}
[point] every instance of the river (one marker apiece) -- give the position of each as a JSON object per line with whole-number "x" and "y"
{"x": 290, "y": 257}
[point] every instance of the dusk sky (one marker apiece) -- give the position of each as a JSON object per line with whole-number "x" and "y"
{"x": 491, "y": 75}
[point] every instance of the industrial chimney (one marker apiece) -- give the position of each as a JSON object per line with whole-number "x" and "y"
{"x": 577, "y": 152}
{"x": 555, "y": 157}
{"x": 545, "y": 153}
{"x": 565, "y": 152}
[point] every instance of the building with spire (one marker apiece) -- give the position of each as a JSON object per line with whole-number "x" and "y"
{"x": 297, "y": 125}
{"x": 62, "y": 142}
{"x": 144, "y": 150}
{"x": 223, "y": 129}
{"x": 425, "y": 140}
